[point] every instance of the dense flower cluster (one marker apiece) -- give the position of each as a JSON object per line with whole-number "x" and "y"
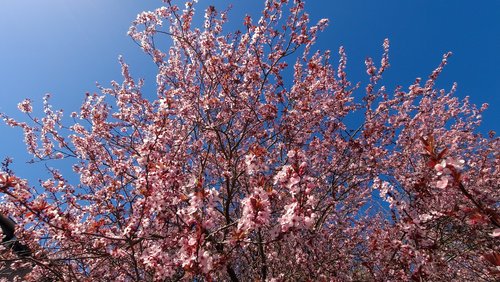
{"x": 236, "y": 172}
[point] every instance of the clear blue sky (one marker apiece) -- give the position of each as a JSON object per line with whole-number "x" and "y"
{"x": 64, "y": 47}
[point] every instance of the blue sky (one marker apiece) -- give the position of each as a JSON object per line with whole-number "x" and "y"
{"x": 65, "y": 47}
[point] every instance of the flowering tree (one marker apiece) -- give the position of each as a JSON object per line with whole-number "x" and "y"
{"x": 236, "y": 172}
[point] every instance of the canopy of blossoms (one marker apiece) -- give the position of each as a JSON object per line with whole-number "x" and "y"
{"x": 245, "y": 167}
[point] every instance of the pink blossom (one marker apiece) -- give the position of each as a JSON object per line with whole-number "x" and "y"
{"x": 496, "y": 233}
{"x": 440, "y": 167}
{"x": 25, "y": 106}
{"x": 442, "y": 183}
{"x": 457, "y": 164}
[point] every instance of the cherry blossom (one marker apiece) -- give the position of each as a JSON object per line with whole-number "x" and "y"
{"x": 257, "y": 160}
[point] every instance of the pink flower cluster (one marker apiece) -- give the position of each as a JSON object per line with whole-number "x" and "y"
{"x": 444, "y": 171}
{"x": 256, "y": 161}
